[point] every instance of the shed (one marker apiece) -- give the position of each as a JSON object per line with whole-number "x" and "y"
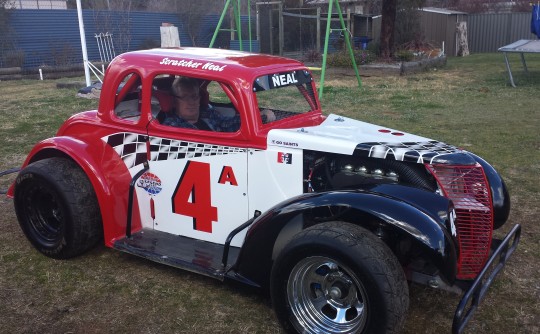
{"x": 352, "y": 6}
{"x": 437, "y": 25}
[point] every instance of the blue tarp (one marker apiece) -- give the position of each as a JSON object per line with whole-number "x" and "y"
{"x": 535, "y": 20}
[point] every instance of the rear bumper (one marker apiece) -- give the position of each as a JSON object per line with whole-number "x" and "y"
{"x": 479, "y": 287}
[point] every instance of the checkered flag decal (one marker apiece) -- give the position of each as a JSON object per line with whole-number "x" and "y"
{"x": 131, "y": 148}
{"x": 420, "y": 152}
{"x": 167, "y": 149}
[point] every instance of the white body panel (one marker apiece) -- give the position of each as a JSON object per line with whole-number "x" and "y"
{"x": 229, "y": 199}
{"x": 270, "y": 181}
{"x": 338, "y": 134}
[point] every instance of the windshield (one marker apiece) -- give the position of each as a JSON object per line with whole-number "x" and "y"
{"x": 285, "y": 94}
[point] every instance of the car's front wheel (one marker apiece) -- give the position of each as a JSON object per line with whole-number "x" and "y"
{"x": 338, "y": 278}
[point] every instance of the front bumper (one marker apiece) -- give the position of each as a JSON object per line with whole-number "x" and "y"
{"x": 479, "y": 287}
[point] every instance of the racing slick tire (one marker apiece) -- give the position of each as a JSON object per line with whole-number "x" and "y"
{"x": 57, "y": 208}
{"x": 337, "y": 277}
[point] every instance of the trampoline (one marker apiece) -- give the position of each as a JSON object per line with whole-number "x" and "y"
{"x": 522, "y": 46}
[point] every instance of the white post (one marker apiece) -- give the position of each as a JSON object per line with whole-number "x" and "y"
{"x": 83, "y": 44}
{"x": 98, "y": 37}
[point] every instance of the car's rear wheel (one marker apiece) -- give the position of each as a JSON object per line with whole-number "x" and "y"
{"x": 57, "y": 208}
{"x": 338, "y": 278}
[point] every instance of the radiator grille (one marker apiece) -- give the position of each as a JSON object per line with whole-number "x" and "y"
{"x": 468, "y": 188}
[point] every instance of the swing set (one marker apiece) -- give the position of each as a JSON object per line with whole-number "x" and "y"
{"x": 236, "y": 33}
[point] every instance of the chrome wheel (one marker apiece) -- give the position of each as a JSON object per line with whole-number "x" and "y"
{"x": 326, "y": 297}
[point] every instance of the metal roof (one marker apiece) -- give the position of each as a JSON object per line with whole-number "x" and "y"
{"x": 441, "y": 11}
{"x": 325, "y": 2}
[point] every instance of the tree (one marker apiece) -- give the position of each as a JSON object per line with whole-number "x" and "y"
{"x": 192, "y": 14}
{"x": 408, "y": 22}
{"x": 407, "y": 29}
{"x": 6, "y": 33}
{"x": 388, "y": 12}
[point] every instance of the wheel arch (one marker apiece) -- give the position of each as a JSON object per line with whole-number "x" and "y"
{"x": 113, "y": 208}
{"x": 370, "y": 210}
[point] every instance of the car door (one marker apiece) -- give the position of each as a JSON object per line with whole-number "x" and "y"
{"x": 202, "y": 181}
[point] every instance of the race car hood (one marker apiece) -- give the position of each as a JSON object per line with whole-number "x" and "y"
{"x": 342, "y": 135}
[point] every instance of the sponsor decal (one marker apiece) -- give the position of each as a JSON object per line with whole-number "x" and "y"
{"x": 278, "y": 80}
{"x": 150, "y": 182}
{"x": 208, "y": 66}
{"x": 284, "y": 143}
{"x": 284, "y": 158}
{"x": 285, "y": 79}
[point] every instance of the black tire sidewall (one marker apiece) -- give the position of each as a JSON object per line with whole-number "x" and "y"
{"x": 349, "y": 256}
{"x": 80, "y": 225}
{"x": 32, "y": 177}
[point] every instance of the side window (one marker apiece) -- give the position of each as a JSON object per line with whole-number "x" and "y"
{"x": 194, "y": 103}
{"x": 219, "y": 100}
{"x": 128, "y": 105}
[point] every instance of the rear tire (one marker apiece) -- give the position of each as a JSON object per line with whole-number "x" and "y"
{"x": 57, "y": 208}
{"x": 338, "y": 278}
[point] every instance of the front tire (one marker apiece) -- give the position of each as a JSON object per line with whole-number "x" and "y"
{"x": 338, "y": 278}
{"x": 57, "y": 208}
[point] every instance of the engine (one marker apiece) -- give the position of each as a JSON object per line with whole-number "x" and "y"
{"x": 466, "y": 185}
{"x": 324, "y": 172}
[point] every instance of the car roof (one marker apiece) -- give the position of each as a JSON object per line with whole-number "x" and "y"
{"x": 222, "y": 62}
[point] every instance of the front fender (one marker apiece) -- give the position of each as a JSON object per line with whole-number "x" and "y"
{"x": 111, "y": 188}
{"x": 395, "y": 207}
{"x": 499, "y": 192}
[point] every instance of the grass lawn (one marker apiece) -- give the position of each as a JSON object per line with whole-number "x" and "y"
{"x": 469, "y": 103}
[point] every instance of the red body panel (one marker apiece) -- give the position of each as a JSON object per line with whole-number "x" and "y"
{"x": 80, "y": 137}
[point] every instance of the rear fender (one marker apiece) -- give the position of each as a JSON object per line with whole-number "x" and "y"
{"x": 427, "y": 227}
{"x": 111, "y": 188}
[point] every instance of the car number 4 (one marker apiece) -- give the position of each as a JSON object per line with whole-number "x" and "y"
{"x": 195, "y": 184}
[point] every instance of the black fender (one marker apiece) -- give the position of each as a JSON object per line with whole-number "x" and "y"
{"x": 419, "y": 215}
{"x": 499, "y": 192}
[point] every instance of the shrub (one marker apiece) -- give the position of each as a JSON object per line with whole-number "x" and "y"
{"x": 312, "y": 56}
{"x": 13, "y": 58}
{"x": 343, "y": 58}
{"x": 404, "y": 55}
{"x": 373, "y": 47}
{"x": 62, "y": 53}
{"x": 149, "y": 43}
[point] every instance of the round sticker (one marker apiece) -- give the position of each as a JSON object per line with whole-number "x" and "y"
{"x": 150, "y": 182}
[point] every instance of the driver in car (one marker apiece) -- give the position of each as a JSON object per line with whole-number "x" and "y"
{"x": 188, "y": 112}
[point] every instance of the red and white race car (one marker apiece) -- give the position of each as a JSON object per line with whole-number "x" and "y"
{"x": 331, "y": 214}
